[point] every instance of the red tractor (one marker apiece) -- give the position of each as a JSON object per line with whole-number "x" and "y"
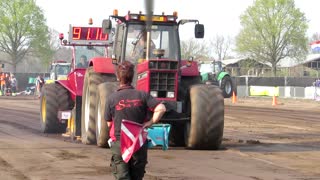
{"x": 194, "y": 110}
{"x": 62, "y": 100}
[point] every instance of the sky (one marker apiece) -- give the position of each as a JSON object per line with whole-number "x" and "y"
{"x": 218, "y": 16}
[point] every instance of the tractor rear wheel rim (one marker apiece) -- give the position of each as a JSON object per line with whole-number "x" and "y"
{"x": 72, "y": 128}
{"x": 98, "y": 120}
{"x": 43, "y": 109}
{"x": 86, "y": 110}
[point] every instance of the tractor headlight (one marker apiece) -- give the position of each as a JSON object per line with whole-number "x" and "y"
{"x": 170, "y": 94}
{"x": 154, "y": 93}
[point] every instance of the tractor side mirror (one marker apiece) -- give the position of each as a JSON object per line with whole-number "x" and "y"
{"x": 199, "y": 31}
{"x": 106, "y": 26}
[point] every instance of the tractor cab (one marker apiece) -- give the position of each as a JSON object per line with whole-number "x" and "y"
{"x": 153, "y": 47}
{"x": 162, "y": 43}
{"x": 59, "y": 70}
{"x": 217, "y": 67}
{"x": 87, "y": 43}
{"x": 136, "y": 41}
{"x": 212, "y": 69}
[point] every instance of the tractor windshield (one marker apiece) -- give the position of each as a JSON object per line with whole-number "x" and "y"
{"x": 83, "y": 54}
{"x": 63, "y": 69}
{"x": 163, "y": 37}
{"x": 210, "y": 68}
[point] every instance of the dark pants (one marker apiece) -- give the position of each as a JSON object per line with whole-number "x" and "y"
{"x": 14, "y": 89}
{"x": 134, "y": 169}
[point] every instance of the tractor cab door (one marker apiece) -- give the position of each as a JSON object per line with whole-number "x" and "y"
{"x": 216, "y": 67}
{"x": 118, "y": 41}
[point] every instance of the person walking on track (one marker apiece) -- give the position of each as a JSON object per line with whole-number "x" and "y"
{"x": 134, "y": 107}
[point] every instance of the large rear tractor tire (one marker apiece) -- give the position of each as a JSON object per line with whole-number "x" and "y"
{"x": 177, "y": 132}
{"x": 227, "y": 87}
{"x": 102, "y": 130}
{"x": 53, "y": 97}
{"x": 207, "y": 117}
{"x": 88, "y": 110}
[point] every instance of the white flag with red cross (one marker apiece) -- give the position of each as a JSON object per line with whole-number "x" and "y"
{"x": 132, "y": 138}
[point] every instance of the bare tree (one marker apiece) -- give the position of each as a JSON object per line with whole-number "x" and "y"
{"x": 221, "y": 46}
{"x": 54, "y": 39}
{"x": 63, "y": 53}
{"x": 194, "y": 48}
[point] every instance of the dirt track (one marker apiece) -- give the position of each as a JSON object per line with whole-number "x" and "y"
{"x": 260, "y": 142}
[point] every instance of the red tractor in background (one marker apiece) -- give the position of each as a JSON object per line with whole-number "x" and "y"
{"x": 62, "y": 100}
{"x": 194, "y": 110}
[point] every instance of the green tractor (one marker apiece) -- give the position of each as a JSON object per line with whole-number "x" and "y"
{"x": 214, "y": 73}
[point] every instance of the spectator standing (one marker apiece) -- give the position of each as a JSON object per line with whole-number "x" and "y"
{"x": 2, "y": 84}
{"x": 8, "y": 84}
{"x": 14, "y": 84}
{"x": 39, "y": 84}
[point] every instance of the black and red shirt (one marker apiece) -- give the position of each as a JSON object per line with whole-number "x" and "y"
{"x": 129, "y": 104}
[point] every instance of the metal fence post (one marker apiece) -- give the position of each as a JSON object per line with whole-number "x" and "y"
{"x": 247, "y": 86}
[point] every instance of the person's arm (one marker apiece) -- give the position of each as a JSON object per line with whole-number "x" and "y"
{"x": 157, "y": 115}
{"x": 107, "y": 114}
{"x": 109, "y": 123}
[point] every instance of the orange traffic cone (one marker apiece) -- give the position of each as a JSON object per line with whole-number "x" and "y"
{"x": 234, "y": 97}
{"x": 274, "y": 100}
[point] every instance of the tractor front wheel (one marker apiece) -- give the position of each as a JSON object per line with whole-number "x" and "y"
{"x": 53, "y": 97}
{"x": 207, "y": 117}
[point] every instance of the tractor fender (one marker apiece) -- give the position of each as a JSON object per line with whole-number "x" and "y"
{"x": 67, "y": 85}
{"x": 222, "y": 75}
{"x": 102, "y": 65}
{"x": 74, "y": 82}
